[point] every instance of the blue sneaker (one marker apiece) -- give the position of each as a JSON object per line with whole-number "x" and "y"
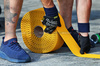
{"x": 12, "y": 51}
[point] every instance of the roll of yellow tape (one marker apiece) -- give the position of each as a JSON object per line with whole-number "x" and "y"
{"x": 34, "y": 37}
{"x": 40, "y": 42}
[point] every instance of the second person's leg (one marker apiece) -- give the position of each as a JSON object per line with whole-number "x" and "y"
{"x": 12, "y": 10}
{"x": 65, "y": 7}
{"x": 10, "y": 48}
{"x": 83, "y": 13}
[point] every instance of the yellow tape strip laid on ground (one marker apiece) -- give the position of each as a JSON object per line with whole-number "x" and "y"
{"x": 71, "y": 43}
{"x": 47, "y": 42}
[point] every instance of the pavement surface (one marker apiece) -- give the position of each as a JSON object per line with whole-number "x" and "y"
{"x": 63, "y": 56}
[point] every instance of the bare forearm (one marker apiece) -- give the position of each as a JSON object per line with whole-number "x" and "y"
{"x": 47, "y": 3}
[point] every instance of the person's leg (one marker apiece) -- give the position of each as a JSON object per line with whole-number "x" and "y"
{"x": 12, "y": 10}
{"x": 83, "y": 13}
{"x": 65, "y": 7}
{"x": 10, "y": 48}
{"x": 51, "y": 20}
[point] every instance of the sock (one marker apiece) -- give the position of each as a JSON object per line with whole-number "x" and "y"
{"x": 51, "y": 11}
{"x": 83, "y": 27}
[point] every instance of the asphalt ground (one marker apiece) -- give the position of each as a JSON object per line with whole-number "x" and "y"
{"x": 63, "y": 56}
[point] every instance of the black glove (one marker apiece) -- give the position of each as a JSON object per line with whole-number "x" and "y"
{"x": 84, "y": 44}
{"x": 51, "y": 23}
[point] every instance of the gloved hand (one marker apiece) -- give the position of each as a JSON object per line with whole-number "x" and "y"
{"x": 51, "y": 23}
{"x": 84, "y": 44}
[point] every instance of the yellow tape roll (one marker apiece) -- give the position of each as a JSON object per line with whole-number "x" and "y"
{"x": 43, "y": 43}
{"x": 34, "y": 37}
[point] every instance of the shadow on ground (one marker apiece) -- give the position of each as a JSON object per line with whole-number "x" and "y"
{"x": 43, "y": 57}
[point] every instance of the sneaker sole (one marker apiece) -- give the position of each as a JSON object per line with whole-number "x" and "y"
{"x": 4, "y": 56}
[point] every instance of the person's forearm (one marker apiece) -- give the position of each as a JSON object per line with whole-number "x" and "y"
{"x": 47, "y": 3}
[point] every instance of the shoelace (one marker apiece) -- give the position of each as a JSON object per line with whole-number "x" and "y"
{"x": 15, "y": 46}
